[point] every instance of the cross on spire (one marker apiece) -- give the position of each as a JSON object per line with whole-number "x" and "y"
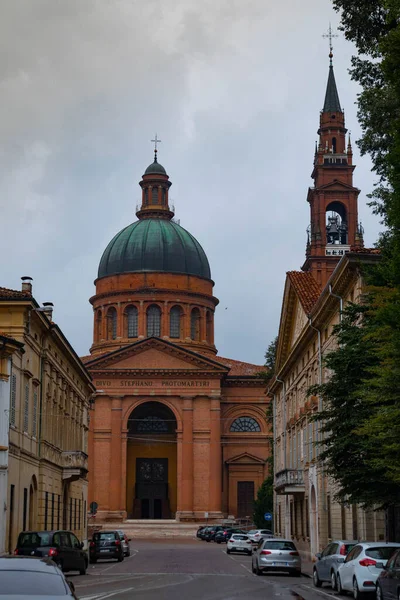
{"x": 155, "y": 141}
{"x": 330, "y": 35}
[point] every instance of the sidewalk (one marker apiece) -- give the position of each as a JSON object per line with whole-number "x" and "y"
{"x": 307, "y": 567}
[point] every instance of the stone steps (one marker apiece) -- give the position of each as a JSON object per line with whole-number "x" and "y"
{"x": 167, "y": 528}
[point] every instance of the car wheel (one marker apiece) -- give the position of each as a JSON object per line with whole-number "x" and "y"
{"x": 316, "y": 580}
{"x": 333, "y": 581}
{"x": 218, "y": 541}
{"x": 258, "y": 570}
{"x": 93, "y": 560}
{"x": 120, "y": 558}
{"x": 339, "y": 586}
{"x": 228, "y": 551}
{"x": 128, "y": 553}
{"x": 253, "y": 569}
{"x": 379, "y": 595}
{"x": 356, "y": 592}
{"x": 249, "y": 553}
{"x": 83, "y": 571}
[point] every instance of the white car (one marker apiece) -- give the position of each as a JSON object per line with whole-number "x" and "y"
{"x": 256, "y": 534}
{"x": 362, "y": 567}
{"x": 239, "y": 542}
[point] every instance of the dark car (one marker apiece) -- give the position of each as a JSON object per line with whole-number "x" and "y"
{"x": 63, "y": 547}
{"x": 388, "y": 583}
{"x": 203, "y": 532}
{"x": 211, "y": 532}
{"x": 106, "y": 544}
{"x": 199, "y": 530}
{"x": 223, "y": 535}
{"x": 33, "y": 578}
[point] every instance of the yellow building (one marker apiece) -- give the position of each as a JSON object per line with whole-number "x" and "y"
{"x": 49, "y": 391}
{"x": 305, "y": 508}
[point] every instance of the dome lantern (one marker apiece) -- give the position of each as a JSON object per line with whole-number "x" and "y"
{"x": 155, "y": 186}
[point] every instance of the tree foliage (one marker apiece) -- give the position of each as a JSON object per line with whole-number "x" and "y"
{"x": 361, "y": 418}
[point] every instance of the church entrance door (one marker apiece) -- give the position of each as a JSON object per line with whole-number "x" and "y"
{"x": 151, "y": 473}
{"x": 152, "y": 487}
{"x": 245, "y": 498}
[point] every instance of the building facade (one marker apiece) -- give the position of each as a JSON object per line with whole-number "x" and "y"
{"x": 313, "y": 300}
{"x": 47, "y": 392}
{"x": 175, "y": 431}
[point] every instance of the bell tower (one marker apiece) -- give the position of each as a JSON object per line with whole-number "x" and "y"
{"x": 334, "y": 227}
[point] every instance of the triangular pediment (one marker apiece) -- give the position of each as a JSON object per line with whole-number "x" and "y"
{"x": 301, "y": 293}
{"x": 337, "y": 184}
{"x": 154, "y": 354}
{"x": 245, "y": 459}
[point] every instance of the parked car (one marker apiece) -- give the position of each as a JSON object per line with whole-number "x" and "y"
{"x": 276, "y": 555}
{"x": 63, "y": 547}
{"x": 256, "y": 534}
{"x": 239, "y": 542}
{"x": 388, "y": 582}
{"x": 329, "y": 560}
{"x": 223, "y": 535}
{"x": 211, "y": 532}
{"x": 362, "y": 567}
{"x": 106, "y": 544}
{"x": 199, "y": 530}
{"x": 125, "y": 542}
{"x": 29, "y": 577}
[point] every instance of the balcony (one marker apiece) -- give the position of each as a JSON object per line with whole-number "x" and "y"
{"x": 290, "y": 481}
{"x": 75, "y": 464}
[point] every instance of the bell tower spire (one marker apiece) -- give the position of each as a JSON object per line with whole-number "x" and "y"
{"x": 333, "y": 228}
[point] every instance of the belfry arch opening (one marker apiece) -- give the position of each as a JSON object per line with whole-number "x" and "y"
{"x": 336, "y": 224}
{"x": 151, "y": 468}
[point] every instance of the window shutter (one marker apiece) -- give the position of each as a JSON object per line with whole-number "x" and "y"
{"x": 13, "y": 399}
{"x": 26, "y": 408}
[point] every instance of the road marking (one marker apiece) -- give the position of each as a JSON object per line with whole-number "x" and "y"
{"x": 247, "y": 569}
{"x": 103, "y": 595}
{"x": 309, "y": 587}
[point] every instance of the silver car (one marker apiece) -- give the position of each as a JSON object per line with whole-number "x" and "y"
{"x": 325, "y": 570}
{"x": 256, "y": 534}
{"x": 362, "y": 567}
{"x": 276, "y": 555}
{"x": 125, "y": 542}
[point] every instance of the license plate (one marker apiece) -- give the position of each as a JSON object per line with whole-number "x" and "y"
{"x": 105, "y": 550}
{"x": 280, "y": 564}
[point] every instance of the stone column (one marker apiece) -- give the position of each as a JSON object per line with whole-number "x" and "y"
{"x": 215, "y": 472}
{"x": 141, "y": 320}
{"x": 115, "y": 456}
{"x": 186, "y": 504}
{"x": 203, "y": 324}
{"x": 165, "y": 320}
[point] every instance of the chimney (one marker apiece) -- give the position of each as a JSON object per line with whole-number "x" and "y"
{"x": 27, "y": 284}
{"x": 48, "y": 310}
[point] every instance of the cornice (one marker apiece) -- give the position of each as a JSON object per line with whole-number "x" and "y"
{"x": 156, "y": 373}
{"x": 151, "y": 293}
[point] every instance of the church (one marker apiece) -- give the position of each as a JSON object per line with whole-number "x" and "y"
{"x": 176, "y": 431}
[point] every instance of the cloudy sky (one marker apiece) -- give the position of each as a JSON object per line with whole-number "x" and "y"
{"x": 232, "y": 87}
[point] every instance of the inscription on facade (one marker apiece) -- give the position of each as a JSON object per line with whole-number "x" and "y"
{"x": 150, "y": 383}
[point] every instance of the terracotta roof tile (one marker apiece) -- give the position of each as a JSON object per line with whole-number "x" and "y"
{"x": 357, "y": 250}
{"x": 7, "y": 293}
{"x": 306, "y": 288}
{"x": 238, "y": 367}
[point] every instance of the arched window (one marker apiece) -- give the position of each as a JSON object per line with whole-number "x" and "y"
{"x": 242, "y": 424}
{"x": 154, "y": 195}
{"x": 111, "y": 324}
{"x": 209, "y": 327}
{"x": 334, "y": 145}
{"x": 131, "y": 317}
{"x": 175, "y": 321}
{"x": 98, "y": 325}
{"x": 195, "y": 324}
{"x": 146, "y": 196}
{"x": 153, "y": 321}
{"x": 164, "y": 196}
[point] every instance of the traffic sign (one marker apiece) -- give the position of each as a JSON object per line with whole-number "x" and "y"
{"x": 268, "y": 516}
{"x": 93, "y": 507}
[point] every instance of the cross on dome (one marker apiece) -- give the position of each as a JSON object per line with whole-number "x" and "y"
{"x": 155, "y": 141}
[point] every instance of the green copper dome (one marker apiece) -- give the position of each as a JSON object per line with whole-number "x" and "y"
{"x": 154, "y": 245}
{"x": 155, "y": 167}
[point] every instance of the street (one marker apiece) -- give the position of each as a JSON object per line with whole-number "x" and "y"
{"x": 187, "y": 569}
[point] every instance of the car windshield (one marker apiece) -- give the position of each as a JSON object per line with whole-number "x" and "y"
{"x": 31, "y": 583}
{"x": 104, "y": 536}
{"x": 33, "y": 539}
{"x": 383, "y": 552}
{"x": 279, "y": 545}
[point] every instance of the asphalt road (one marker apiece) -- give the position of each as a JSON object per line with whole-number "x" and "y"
{"x": 188, "y": 570}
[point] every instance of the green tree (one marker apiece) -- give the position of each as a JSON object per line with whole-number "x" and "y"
{"x": 264, "y": 503}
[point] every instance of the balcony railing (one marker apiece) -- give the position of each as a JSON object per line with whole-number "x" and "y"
{"x": 290, "y": 481}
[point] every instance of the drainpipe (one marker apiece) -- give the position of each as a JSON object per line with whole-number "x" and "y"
{"x": 340, "y": 302}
